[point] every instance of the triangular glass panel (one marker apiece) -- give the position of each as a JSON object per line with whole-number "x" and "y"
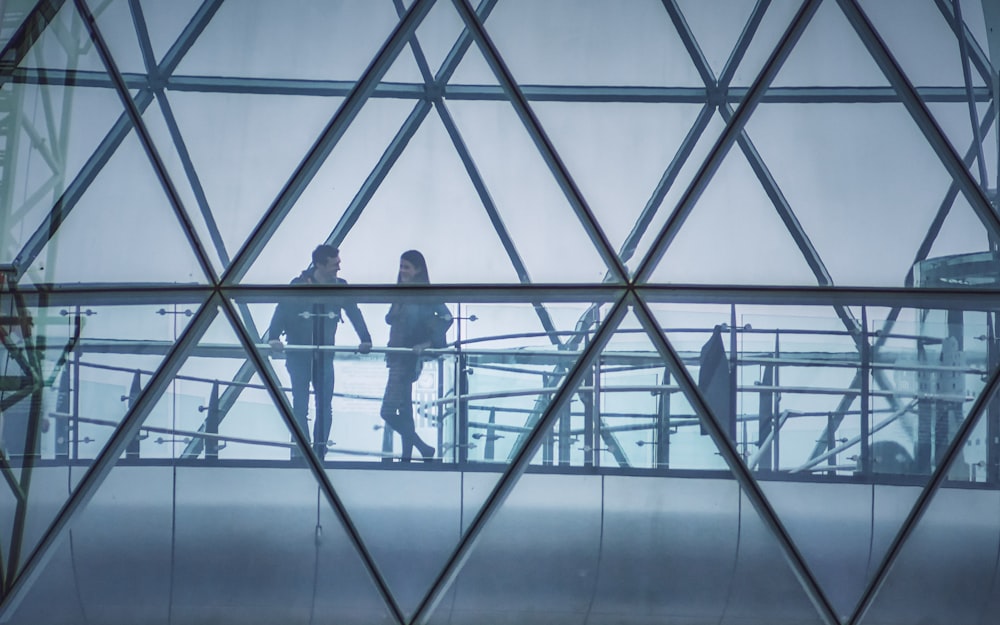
{"x": 85, "y": 387}
{"x": 818, "y": 418}
{"x": 733, "y": 42}
{"x": 924, "y": 44}
{"x": 930, "y": 54}
{"x": 765, "y": 37}
{"x": 183, "y": 542}
{"x": 119, "y": 232}
{"x": 37, "y": 605}
{"x": 734, "y": 234}
{"x": 243, "y": 148}
{"x": 602, "y": 546}
{"x": 762, "y": 582}
{"x": 166, "y": 22}
{"x": 829, "y": 54}
{"x": 629, "y": 413}
{"x": 968, "y": 260}
{"x": 469, "y": 405}
{"x": 438, "y": 36}
{"x": 955, "y": 120}
{"x": 623, "y": 175}
{"x": 65, "y": 45}
{"x": 337, "y": 195}
{"x": 527, "y": 198}
{"x": 716, "y": 28}
{"x": 219, "y": 406}
{"x": 172, "y": 148}
{"x": 45, "y": 160}
{"x": 471, "y": 70}
{"x": 115, "y": 22}
{"x": 312, "y": 40}
{"x": 432, "y": 205}
{"x": 861, "y": 173}
{"x": 591, "y": 45}
{"x": 957, "y": 533}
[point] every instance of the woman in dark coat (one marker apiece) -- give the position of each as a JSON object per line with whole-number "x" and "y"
{"x": 418, "y": 326}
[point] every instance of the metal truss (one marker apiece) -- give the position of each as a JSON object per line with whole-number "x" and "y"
{"x": 624, "y": 291}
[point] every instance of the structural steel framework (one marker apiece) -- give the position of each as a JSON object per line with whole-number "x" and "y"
{"x": 622, "y": 291}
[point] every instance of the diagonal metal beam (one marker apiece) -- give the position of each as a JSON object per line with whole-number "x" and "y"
{"x": 726, "y": 139}
{"x": 156, "y": 81}
{"x": 701, "y": 122}
{"x": 196, "y": 25}
{"x": 973, "y": 51}
{"x": 327, "y": 140}
{"x": 756, "y": 162}
{"x": 963, "y": 48}
{"x": 159, "y": 167}
{"x": 923, "y": 501}
{"x": 731, "y": 455}
{"x": 409, "y": 127}
{"x": 118, "y": 132}
{"x": 505, "y": 484}
{"x": 921, "y": 115}
{"x": 123, "y": 433}
{"x": 547, "y": 151}
{"x": 949, "y": 198}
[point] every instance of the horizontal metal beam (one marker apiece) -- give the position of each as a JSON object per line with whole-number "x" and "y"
{"x": 537, "y": 93}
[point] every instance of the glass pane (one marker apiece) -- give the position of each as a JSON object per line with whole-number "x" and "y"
{"x": 70, "y": 375}
{"x": 948, "y": 73}
{"x": 562, "y": 43}
{"x": 307, "y": 40}
{"x": 165, "y": 22}
{"x": 956, "y": 537}
{"x": 240, "y": 151}
{"x": 551, "y": 578}
{"x": 816, "y": 404}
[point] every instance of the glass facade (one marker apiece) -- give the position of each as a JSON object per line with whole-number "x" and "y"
{"x": 499, "y": 311}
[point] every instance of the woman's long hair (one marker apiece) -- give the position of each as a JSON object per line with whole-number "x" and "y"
{"x": 416, "y": 259}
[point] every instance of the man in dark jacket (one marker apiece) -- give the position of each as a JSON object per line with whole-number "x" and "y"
{"x": 313, "y": 322}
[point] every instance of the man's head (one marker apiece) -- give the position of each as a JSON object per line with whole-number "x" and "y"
{"x": 326, "y": 263}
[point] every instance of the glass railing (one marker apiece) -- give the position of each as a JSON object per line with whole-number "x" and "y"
{"x": 792, "y": 392}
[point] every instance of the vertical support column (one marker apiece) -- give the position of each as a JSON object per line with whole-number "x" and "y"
{"x": 733, "y": 379}
{"x": 866, "y": 370}
{"x": 951, "y": 387}
{"x": 831, "y": 442}
{"x": 132, "y": 451}
{"x": 590, "y": 426}
{"x": 993, "y": 408}
{"x": 74, "y": 428}
{"x": 489, "y": 447}
{"x": 765, "y": 417}
{"x": 663, "y": 426}
{"x": 462, "y": 418}
{"x": 565, "y": 436}
{"x": 212, "y": 424}
{"x": 776, "y": 413}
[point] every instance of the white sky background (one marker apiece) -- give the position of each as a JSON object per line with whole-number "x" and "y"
{"x": 861, "y": 178}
